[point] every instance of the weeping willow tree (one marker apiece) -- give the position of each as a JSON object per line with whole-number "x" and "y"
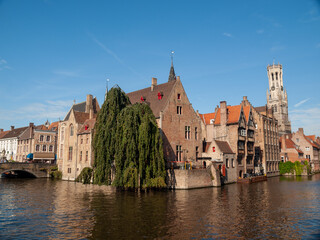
{"x": 128, "y": 136}
{"x": 139, "y": 155}
{"x": 105, "y": 134}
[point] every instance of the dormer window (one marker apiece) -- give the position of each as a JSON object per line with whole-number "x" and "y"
{"x": 160, "y": 95}
{"x": 86, "y": 127}
{"x": 142, "y": 99}
{"x": 179, "y": 96}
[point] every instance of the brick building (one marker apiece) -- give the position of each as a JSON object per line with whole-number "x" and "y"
{"x": 234, "y": 125}
{"x": 290, "y": 151}
{"x": 74, "y": 138}
{"x": 266, "y": 146}
{"x": 309, "y": 146}
{"x": 179, "y": 124}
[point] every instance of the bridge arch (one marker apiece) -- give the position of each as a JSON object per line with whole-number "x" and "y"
{"x": 17, "y": 173}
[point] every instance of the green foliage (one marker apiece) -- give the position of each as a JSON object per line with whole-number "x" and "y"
{"x": 294, "y": 168}
{"x": 56, "y": 174}
{"x": 85, "y": 176}
{"x": 139, "y": 154}
{"x": 54, "y": 168}
{"x": 127, "y": 137}
{"x": 286, "y": 167}
{"x": 105, "y": 134}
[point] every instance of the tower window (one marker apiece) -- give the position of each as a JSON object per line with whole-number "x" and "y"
{"x": 276, "y": 75}
{"x": 272, "y": 76}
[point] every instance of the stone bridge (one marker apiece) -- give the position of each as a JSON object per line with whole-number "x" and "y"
{"x": 39, "y": 170}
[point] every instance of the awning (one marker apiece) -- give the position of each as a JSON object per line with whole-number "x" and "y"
{"x": 30, "y": 156}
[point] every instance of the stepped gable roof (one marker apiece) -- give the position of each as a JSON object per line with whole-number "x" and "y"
{"x": 224, "y": 147}
{"x": 152, "y": 98}
{"x": 3, "y": 134}
{"x": 87, "y": 126}
{"x": 233, "y": 114}
{"x": 206, "y": 146}
{"x": 81, "y": 117}
{"x": 246, "y": 111}
{"x": 15, "y": 132}
{"x": 206, "y": 117}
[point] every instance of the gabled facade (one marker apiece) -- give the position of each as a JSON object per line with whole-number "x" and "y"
{"x": 266, "y": 146}
{"x": 290, "y": 151}
{"x": 309, "y": 147}
{"x": 70, "y": 144}
{"x": 179, "y": 124}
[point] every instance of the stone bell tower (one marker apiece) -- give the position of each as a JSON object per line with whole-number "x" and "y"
{"x": 277, "y": 98}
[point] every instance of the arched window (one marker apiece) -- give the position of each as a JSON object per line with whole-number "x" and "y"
{"x": 50, "y": 148}
{"x": 48, "y": 138}
{"x": 62, "y": 134}
{"x": 41, "y": 138}
{"x": 71, "y": 130}
{"x": 44, "y": 148}
{"x": 37, "y": 148}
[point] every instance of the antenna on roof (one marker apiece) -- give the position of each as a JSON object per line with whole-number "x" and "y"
{"x": 74, "y": 101}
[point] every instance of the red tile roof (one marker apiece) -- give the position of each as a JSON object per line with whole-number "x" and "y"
{"x": 2, "y": 134}
{"x": 246, "y": 110}
{"x": 54, "y": 126}
{"x": 87, "y": 126}
{"x": 151, "y": 97}
{"x": 312, "y": 137}
{"x": 206, "y": 117}
{"x": 233, "y": 114}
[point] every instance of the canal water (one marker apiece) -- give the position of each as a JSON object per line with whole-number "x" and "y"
{"x": 286, "y": 208}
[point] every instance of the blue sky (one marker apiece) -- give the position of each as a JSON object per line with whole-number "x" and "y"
{"x": 52, "y": 52}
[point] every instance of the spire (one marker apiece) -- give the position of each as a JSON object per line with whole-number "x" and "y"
{"x": 172, "y": 75}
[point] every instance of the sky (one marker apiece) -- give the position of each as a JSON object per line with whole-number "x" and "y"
{"x": 55, "y": 52}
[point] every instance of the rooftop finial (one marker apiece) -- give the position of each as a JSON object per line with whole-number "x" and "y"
{"x": 172, "y": 75}
{"x": 74, "y": 101}
{"x": 273, "y": 61}
{"x": 107, "y": 89}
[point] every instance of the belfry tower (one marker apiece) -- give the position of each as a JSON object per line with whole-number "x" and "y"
{"x": 277, "y": 98}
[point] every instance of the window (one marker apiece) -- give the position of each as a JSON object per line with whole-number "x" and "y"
{"x": 308, "y": 156}
{"x": 241, "y": 145}
{"x": 196, "y": 133}
{"x": 178, "y": 152}
{"x": 70, "y": 153}
{"x": 61, "y": 150}
{"x": 62, "y": 134}
{"x": 86, "y": 156}
{"x": 44, "y": 148}
{"x": 232, "y": 162}
{"x": 69, "y": 170}
{"x": 297, "y": 139}
{"x": 37, "y": 148}
{"x": 81, "y": 141}
{"x": 243, "y": 132}
{"x": 179, "y": 96}
{"x": 282, "y": 158}
{"x": 50, "y": 148}
{"x": 41, "y": 138}
{"x": 80, "y": 156}
{"x": 227, "y": 163}
{"x": 179, "y": 110}
{"x": 187, "y": 132}
{"x": 307, "y": 148}
{"x": 71, "y": 130}
{"x": 87, "y": 140}
{"x": 160, "y": 95}
{"x": 48, "y": 138}
{"x": 197, "y": 153}
{"x": 211, "y": 121}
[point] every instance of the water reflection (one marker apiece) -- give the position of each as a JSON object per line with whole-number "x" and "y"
{"x": 41, "y": 208}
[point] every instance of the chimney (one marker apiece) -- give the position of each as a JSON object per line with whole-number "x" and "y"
{"x": 12, "y": 127}
{"x": 31, "y": 125}
{"x": 223, "y": 113}
{"x": 178, "y": 78}
{"x": 88, "y": 103}
{"x": 283, "y": 141}
{"x": 153, "y": 83}
{"x": 300, "y": 130}
{"x": 245, "y": 98}
{"x": 91, "y": 113}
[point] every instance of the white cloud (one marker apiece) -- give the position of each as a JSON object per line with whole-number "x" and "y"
{"x": 47, "y": 110}
{"x": 3, "y": 64}
{"x": 308, "y": 119}
{"x": 301, "y": 102}
{"x": 66, "y": 73}
{"x": 227, "y": 35}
